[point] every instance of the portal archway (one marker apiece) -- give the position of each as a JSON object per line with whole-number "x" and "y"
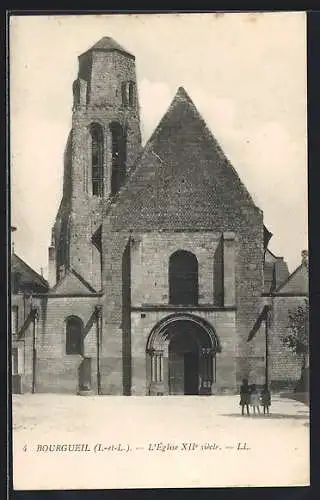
{"x": 181, "y": 356}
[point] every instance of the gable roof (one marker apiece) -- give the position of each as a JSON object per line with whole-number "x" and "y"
{"x": 28, "y": 277}
{"x": 296, "y": 283}
{"x": 182, "y": 178}
{"x": 108, "y": 44}
{"x": 72, "y": 283}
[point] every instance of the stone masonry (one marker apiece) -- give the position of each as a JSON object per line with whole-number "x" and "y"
{"x": 107, "y": 322}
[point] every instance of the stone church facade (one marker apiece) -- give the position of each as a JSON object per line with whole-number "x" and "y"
{"x": 159, "y": 263}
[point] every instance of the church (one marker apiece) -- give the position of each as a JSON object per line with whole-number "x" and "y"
{"x": 158, "y": 263}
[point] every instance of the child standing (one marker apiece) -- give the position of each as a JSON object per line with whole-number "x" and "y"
{"x": 244, "y": 396}
{"x": 265, "y": 399}
{"x": 254, "y": 399}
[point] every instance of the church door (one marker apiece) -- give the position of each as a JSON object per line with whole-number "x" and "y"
{"x": 176, "y": 373}
{"x": 183, "y": 363}
{"x": 191, "y": 373}
{"x": 187, "y": 358}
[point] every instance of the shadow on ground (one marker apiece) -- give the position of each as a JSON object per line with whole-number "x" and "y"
{"x": 302, "y": 397}
{"x": 279, "y": 416}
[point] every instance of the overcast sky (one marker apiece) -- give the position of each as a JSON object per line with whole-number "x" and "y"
{"x": 246, "y": 73}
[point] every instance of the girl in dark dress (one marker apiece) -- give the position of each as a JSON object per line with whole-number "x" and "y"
{"x": 244, "y": 396}
{"x": 265, "y": 399}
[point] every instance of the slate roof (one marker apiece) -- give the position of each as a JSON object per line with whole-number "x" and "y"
{"x": 28, "y": 277}
{"x": 297, "y": 283}
{"x": 108, "y": 44}
{"x": 182, "y": 179}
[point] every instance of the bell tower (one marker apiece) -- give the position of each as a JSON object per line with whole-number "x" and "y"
{"x": 102, "y": 147}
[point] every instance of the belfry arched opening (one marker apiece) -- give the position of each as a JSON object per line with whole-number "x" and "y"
{"x": 181, "y": 356}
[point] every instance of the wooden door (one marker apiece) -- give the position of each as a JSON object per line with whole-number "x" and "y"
{"x": 191, "y": 373}
{"x": 176, "y": 373}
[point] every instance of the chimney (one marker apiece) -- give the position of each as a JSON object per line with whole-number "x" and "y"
{"x": 13, "y": 229}
{"x": 305, "y": 257}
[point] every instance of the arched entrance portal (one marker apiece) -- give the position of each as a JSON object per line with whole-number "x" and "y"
{"x": 181, "y": 356}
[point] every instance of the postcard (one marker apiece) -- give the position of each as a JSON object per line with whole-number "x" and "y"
{"x": 159, "y": 259}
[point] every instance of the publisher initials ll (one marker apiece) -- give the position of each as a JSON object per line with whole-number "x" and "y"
{"x": 242, "y": 446}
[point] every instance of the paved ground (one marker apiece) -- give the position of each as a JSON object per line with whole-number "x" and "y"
{"x": 156, "y": 442}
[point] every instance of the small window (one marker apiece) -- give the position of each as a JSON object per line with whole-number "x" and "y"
{"x": 17, "y": 361}
{"x": 14, "y": 358}
{"x": 14, "y": 320}
{"x": 74, "y": 336}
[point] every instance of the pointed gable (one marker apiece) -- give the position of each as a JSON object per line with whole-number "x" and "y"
{"x": 182, "y": 178}
{"x": 72, "y": 284}
{"x": 297, "y": 283}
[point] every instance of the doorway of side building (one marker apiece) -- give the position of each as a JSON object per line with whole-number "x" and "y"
{"x": 84, "y": 375}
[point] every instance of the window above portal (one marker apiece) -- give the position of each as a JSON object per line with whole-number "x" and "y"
{"x": 183, "y": 278}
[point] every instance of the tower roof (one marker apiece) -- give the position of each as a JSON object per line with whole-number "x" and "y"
{"x": 108, "y": 44}
{"x": 182, "y": 178}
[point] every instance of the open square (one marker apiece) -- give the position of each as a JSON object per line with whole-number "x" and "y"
{"x": 138, "y": 442}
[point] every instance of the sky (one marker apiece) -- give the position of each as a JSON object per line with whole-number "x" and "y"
{"x": 246, "y": 74}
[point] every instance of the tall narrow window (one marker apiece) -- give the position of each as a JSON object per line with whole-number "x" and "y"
{"x": 118, "y": 157}
{"x": 132, "y": 96}
{"x": 125, "y": 93}
{"x": 183, "y": 278}
{"x": 76, "y": 92}
{"x": 97, "y": 159}
{"x": 74, "y": 335}
{"x": 14, "y": 320}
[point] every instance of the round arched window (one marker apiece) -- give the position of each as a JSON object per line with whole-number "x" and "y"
{"x": 183, "y": 278}
{"x": 74, "y": 335}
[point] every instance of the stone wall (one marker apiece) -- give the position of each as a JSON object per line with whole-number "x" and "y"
{"x": 57, "y": 371}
